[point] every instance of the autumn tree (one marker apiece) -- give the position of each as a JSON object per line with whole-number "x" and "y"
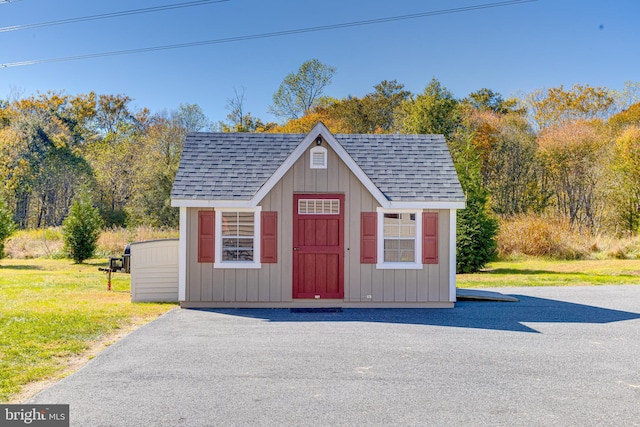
{"x": 156, "y": 156}
{"x": 514, "y": 175}
{"x": 112, "y": 112}
{"x": 41, "y": 161}
{"x": 573, "y": 154}
{"x": 305, "y": 123}
{"x": 629, "y": 95}
{"x": 627, "y": 117}
{"x": 300, "y": 91}
{"x": 433, "y": 111}
{"x": 373, "y": 113}
{"x": 120, "y": 129}
{"x": 488, "y": 100}
{"x": 558, "y": 106}
{"x": 625, "y": 168}
{"x": 506, "y": 148}
{"x": 191, "y": 118}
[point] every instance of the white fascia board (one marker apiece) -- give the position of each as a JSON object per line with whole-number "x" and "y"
{"x": 191, "y": 203}
{"x": 426, "y": 205}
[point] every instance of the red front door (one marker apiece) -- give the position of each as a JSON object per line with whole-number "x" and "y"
{"x": 318, "y": 246}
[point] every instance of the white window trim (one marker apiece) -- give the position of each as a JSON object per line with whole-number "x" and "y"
{"x": 417, "y": 264}
{"x": 218, "y": 263}
{"x": 315, "y": 150}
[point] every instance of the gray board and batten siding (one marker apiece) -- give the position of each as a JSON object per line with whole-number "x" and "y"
{"x": 364, "y": 284}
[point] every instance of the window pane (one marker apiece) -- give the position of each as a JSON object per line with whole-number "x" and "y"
{"x": 399, "y": 225}
{"x": 235, "y": 249}
{"x": 245, "y": 224}
{"x": 237, "y": 236}
{"x": 237, "y": 224}
{"x": 229, "y": 223}
{"x": 398, "y": 250}
{"x": 319, "y": 206}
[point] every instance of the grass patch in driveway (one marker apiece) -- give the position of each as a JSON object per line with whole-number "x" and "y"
{"x": 542, "y": 272}
{"x": 52, "y": 311}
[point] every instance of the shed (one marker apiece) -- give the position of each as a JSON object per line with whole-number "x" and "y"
{"x": 316, "y": 220}
{"x": 154, "y": 270}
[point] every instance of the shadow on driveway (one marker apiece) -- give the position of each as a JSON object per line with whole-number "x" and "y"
{"x": 479, "y": 315}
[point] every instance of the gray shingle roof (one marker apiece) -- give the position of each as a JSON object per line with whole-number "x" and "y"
{"x": 406, "y": 167}
{"x": 229, "y": 166}
{"x": 233, "y": 166}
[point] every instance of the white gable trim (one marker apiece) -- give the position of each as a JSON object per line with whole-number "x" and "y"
{"x": 320, "y": 130}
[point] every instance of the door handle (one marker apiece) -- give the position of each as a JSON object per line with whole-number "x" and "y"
{"x": 296, "y": 249}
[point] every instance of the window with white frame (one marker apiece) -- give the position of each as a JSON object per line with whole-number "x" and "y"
{"x": 237, "y": 244}
{"x": 398, "y": 239}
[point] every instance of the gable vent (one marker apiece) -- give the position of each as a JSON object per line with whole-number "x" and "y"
{"x": 318, "y": 158}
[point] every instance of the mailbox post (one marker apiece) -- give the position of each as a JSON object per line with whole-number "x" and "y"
{"x": 118, "y": 264}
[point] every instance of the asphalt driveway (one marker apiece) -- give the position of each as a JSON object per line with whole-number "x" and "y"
{"x": 559, "y": 356}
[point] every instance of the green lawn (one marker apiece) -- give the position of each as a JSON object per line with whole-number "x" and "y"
{"x": 541, "y": 272}
{"x": 52, "y": 311}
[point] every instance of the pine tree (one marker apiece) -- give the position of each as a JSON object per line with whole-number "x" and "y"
{"x": 81, "y": 229}
{"x": 477, "y": 227}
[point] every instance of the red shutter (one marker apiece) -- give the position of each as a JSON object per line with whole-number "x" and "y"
{"x": 269, "y": 237}
{"x": 206, "y": 236}
{"x": 429, "y": 237}
{"x": 368, "y": 238}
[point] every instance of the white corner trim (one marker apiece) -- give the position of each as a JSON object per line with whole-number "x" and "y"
{"x": 182, "y": 256}
{"x": 452, "y": 255}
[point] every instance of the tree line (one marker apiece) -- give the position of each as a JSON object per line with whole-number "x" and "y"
{"x": 55, "y": 147}
{"x": 570, "y": 152}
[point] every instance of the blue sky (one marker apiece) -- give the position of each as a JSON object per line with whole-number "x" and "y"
{"x": 509, "y": 49}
